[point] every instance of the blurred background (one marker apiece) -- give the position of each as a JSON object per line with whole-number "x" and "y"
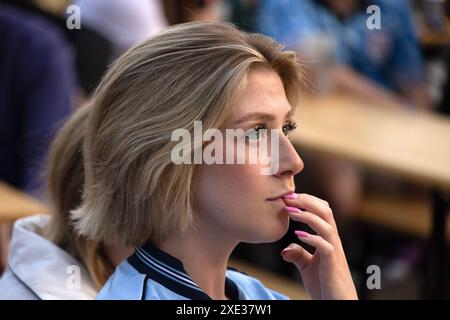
{"x": 373, "y": 128}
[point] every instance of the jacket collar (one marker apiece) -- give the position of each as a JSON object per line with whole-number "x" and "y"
{"x": 43, "y": 267}
{"x": 169, "y": 272}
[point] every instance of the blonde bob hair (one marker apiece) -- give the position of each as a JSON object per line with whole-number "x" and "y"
{"x": 133, "y": 192}
{"x": 65, "y": 178}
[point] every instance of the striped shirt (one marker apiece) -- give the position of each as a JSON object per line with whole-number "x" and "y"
{"x": 152, "y": 274}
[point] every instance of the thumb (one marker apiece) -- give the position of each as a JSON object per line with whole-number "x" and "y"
{"x": 297, "y": 255}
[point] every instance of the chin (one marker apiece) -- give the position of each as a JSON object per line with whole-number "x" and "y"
{"x": 278, "y": 233}
{"x": 273, "y": 232}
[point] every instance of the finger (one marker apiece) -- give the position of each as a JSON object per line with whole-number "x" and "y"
{"x": 297, "y": 255}
{"x": 294, "y": 195}
{"x": 325, "y": 248}
{"x": 312, "y": 204}
{"x": 320, "y": 226}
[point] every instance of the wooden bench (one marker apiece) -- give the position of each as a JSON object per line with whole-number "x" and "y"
{"x": 409, "y": 215}
{"x": 15, "y": 204}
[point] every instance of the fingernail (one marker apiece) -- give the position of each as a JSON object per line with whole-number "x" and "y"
{"x": 291, "y": 196}
{"x": 302, "y": 234}
{"x": 292, "y": 209}
{"x": 286, "y": 250}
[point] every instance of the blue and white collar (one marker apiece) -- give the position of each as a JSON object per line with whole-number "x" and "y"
{"x": 169, "y": 272}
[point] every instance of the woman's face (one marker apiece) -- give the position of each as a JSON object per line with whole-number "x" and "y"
{"x": 237, "y": 201}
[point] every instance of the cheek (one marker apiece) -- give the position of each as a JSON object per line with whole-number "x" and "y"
{"x": 232, "y": 199}
{"x": 229, "y": 188}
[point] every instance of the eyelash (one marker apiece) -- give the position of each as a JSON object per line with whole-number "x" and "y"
{"x": 288, "y": 127}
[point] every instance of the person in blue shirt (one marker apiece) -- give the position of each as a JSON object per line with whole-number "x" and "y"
{"x": 383, "y": 64}
{"x": 160, "y": 175}
{"x": 152, "y": 274}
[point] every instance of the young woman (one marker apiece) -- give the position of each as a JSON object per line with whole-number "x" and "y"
{"x": 186, "y": 218}
{"x": 47, "y": 259}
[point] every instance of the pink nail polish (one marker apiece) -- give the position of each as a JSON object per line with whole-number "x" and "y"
{"x": 302, "y": 234}
{"x": 292, "y": 209}
{"x": 286, "y": 250}
{"x": 291, "y": 196}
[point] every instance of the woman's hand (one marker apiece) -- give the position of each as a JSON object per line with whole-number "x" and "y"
{"x": 325, "y": 273}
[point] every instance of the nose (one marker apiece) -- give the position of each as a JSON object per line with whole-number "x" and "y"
{"x": 290, "y": 161}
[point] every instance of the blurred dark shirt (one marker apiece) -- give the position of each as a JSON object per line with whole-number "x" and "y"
{"x": 37, "y": 87}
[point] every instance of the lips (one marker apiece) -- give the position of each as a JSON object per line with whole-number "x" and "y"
{"x": 280, "y": 196}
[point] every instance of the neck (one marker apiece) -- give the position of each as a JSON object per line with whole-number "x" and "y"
{"x": 116, "y": 254}
{"x": 204, "y": 257}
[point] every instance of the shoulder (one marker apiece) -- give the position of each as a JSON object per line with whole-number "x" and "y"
{"x": 252, "y": 288}
{"x": 128, "y": 284}
{"x": 41, "y": 267}
{"x": 124, "y": 284}
{"x": 33, "y": 29}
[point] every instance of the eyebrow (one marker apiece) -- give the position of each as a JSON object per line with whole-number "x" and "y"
{"x": 262, "y": 116}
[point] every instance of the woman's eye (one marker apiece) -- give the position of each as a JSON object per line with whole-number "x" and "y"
{"x": 289, "y": 127}
{"x": 256, "y": 133}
